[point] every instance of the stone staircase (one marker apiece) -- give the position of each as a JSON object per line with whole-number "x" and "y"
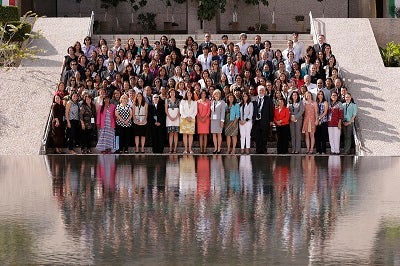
{"x": 279, "y": 41}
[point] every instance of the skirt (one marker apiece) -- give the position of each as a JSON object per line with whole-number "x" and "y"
{"x": 231, "y": 128}
{"x": 139, "y": 130}
{"x": 186, "y": 127}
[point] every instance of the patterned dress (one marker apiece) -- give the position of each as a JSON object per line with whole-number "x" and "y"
{"x": 173, "y": 110}
{"x": 107, "y": 135}
{"x": 309, "y": 118}
{"x": 231, "y": 127}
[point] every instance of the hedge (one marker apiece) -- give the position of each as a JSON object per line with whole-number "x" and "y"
{"x": 9, "y": 13}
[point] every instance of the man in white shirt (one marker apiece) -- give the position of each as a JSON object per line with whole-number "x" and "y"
{"x": 298, "y": 46}
{"x": 289, "y": 49}
{"x": 205, "y": 59}
{"x": 243, "y": 45}
{"x": 226, "y": 67}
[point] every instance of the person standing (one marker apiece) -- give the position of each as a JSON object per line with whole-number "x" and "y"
{"x": 203, "y": 119}
{"x": 281, "y": 120}
{"x": 87, "y": 116}
{"x": 296, "y": 108}
{"x": 172, "y": 119}
{"x": 349, "y": 114}
{"x": 264, "y": 115}
{"x": 335, "y": 118}
{"x": 106, "y": 124}
{"x": 310, "y": 121}
{"x": 72, "y": 118}
{"x": 124, "y": 115}
{"x": 140, "y": 111}
{"x": 158, "y": 118}
{"x": 322, "y": 127}
{"x": 57, "y": 126}
{"x": 246, "y": 122}
{"x": 188, "y": 110}
{"x": 231, "y": 125}
{"x": 217, "y": 120}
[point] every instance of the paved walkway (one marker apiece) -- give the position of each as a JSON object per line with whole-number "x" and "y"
{"x": 26, "y": 93}
{"x": 374, "y": 86}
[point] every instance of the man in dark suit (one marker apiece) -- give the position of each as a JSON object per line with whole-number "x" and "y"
{"x": 207, "y": 43}
{"x": 320, "y": 46}
{"x": 264, "y": 115}
{"x": 220, "y": 57}
{"x": 157, "y": 120}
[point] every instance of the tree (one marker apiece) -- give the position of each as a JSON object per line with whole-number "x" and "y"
{"x": 136, "y": 5}
{"x": 111, "y": 3}
{"x": 258, "y": 3}
{"x": 13, "y": 48}
{"x": 323, "y": 3}
{"x": 208, "y": 9}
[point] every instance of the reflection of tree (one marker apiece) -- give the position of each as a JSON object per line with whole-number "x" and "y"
{"x": 248, "y": 207}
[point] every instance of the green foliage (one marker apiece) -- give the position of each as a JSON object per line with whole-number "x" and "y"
{"x": 208, "y": 9}
{"x": 257, "y": 2}
{"x": 110, "y": 3}
{"x": 9, "y": 13}
{"x": 391, "y": 54}
{"x": 16, "y": 40}
{"x": 136, "y": 4}
{"x": 148, "y": 21}
{"x": 16, "y": 31}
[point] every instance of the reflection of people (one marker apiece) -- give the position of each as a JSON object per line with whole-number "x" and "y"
{"x": 203, "y": 175}
{"x": 264, "y": 114}
{"x": 187, "y": 177}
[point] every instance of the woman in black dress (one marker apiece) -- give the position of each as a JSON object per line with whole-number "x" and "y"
{"x": 57, "y": 125}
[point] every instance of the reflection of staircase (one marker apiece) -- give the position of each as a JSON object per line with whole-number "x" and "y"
{"x": 279, "y": 41}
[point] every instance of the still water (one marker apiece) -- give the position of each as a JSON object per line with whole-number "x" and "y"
{"x": 199, "y": 210}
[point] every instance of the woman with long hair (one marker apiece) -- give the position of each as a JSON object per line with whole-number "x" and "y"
{"x": 203, "y": 119}
{"x": 296, "y": 108}
{"x": 106, "y": 124}
{"x": 246, "y": 122}
{"x": 57, "y": 125}
{"x": 140, "y": 111}
{"x": 187, "y": 125}
{"x": 72, "y": 118}
{"x": 231, "y": 126}
{"x": 310, "y": 121}
{"x": 172, "y": 121}
{"x": 321, "y": 131}
{"x": 335, "y": 118}
{"x": 87, "y": 117}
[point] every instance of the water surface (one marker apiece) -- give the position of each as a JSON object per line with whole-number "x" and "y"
{"x": 191, "y": 210}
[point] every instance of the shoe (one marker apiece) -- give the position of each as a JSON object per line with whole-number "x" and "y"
{"x": 126, "y": 151}
{"x": 214, "y": 152}
{"x": 191, "y": 152}
{"x": 72, "y": 152}
{"x": 89, "y": 151}
{"x": 218, "y": 152}
{"x": 184, "y": 152}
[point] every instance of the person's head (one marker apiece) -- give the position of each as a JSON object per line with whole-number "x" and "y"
{"x": 74, "y": 65}
{"x": 216, "y": 94}
{"x": 74, "y": 96}
{"x": 290, "y": 44}
{"x": 338, "y": 83}
{"x": 295, "y": 36}
{"x": 320, "y": 97}
{"x": 156, "y": 98}
{"x": 348, "y": 97}
{"x": 203, "y": 94}
{"x": 171, "y": 93}
{"x": 320, "y": 83}
{"x": 294, "y": 97}
{"x": 321, "y": 39}
{"x": 281, "y": 102}
{"x": 207, "y": 37}
{"x": 308, "y": 96}
{"x": 148, "y": 90}
{"x": 57, "y": 99}
{"x": 87, "y": 40}
{"x": 334, "y": 97}
{"x": 188, "y": 95}
{"x": 243, "y": 36}
{"x": 124, "y": 99}
{"x": 224, "y": 39}
{"x": 261, "y": 90}
{"x": 88, "y": 99}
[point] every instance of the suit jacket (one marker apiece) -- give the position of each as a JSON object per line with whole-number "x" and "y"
{"x": 266, "y": 112}
{"x": 221, "y": 59}
{"x": 317, "y": 48}
{"x": 157, "y": 113}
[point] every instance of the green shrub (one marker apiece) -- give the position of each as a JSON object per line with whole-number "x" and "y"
{"x": 15, "y": 31}
{"x": 391, "y": 54}
{"x": 9, "y": 13}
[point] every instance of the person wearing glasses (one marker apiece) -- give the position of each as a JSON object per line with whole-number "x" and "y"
{"x": 88, "y": 47}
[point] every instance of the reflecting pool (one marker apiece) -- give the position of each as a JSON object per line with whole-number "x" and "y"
{"x": 199, "y": 210}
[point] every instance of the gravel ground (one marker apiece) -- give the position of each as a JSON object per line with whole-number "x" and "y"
{"x": 26, "y": 92}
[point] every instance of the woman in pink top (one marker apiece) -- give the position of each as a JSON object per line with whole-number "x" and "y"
{"x": 203, "y": 119}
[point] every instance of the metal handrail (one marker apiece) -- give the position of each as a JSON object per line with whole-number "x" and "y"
{"x": 90, "y": 30}
{"x": 46, "y": 132}
{"x": 313, "y": 29}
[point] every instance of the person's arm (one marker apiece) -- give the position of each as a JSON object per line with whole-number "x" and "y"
{"x": 67, "y": 109}
{"x": 81, "y": 113}
{"x": 300, "y": 112}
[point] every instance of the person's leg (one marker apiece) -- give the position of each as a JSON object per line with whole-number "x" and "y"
{"x": 219, "y": 141}
{"x": 136, "y": 143}
{"x": 170, "y": 139}
{"x": 190, "y": 143}
{"x": 228, "y": 144}
{"x": 185, "y": 143}
{"x": 307, "y": 137}
{"x": 175, "y": 141}
{"x": 142, "y": 142}
{"x": 234, "y": 141}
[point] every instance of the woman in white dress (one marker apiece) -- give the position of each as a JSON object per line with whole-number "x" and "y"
{"x": 188, "y": 110}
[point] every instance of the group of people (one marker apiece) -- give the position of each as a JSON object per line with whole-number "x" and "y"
{"x": 128, "y": 95}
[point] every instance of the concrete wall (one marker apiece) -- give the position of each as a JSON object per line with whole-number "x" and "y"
{"x": 386, "y": 30}
{"x": 186, "y": 14}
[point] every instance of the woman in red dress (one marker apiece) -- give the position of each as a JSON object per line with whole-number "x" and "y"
{"x": 203, "y": 119}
